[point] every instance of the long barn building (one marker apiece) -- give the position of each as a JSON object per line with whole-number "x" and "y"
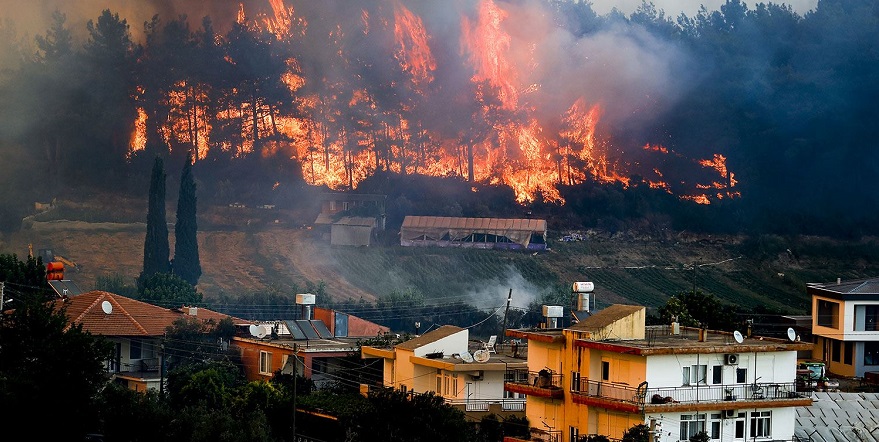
{"x": 482, "y": 233}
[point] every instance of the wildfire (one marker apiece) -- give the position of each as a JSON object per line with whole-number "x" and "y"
{"x": 341, "y": 133}
{"x": 413, "y": 50}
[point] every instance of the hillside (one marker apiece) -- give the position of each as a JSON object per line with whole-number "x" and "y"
{"x": 246, "y": 250}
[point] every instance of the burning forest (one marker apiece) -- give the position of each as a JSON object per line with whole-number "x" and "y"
{"x": 534, "y": 95}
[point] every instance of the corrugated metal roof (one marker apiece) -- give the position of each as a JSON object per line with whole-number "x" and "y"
{"x": 508, "y": 224}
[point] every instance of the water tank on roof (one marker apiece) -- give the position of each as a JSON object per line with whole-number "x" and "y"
{"x": 305, "y": 299}
{"x": 553, "y": 311}
{"x": 583, "y": 287}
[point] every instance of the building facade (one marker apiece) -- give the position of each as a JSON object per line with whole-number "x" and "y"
{"x": 610, "y": 372}
{"x": 440, "y": 361}
{"x": 845, "y": 325}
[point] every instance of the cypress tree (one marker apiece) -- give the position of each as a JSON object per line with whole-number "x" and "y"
{"x": 155, "y": 248}
{"x": 186, "y": 261}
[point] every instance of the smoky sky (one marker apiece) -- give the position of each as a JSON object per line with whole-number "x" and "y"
{"x": 632, "y": 74}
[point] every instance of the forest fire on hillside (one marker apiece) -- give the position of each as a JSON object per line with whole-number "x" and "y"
{"x": 500, "y": 130}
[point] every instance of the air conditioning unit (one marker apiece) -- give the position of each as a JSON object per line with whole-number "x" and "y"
{"x": 731, "y": 359}
{"x": 729, "y": 413}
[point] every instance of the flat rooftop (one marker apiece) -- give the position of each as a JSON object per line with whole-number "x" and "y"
{"x": 659, "y": 339}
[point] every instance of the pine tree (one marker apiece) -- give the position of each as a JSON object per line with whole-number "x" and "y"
{"x": 186, "y": 261}
{"x": 155, "y": 248}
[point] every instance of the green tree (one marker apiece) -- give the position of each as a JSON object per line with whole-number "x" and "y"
{"x": 700, "y": 437}
{"x": 26, "y": 278}
{"x": 168, "y": 290}
{"x": 46, "y": 360}
{"x": 638, "y": 433}
{"x": 155, "y": 248}
{"x": 186, "y": 263}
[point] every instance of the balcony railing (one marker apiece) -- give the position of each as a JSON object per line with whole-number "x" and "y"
{"x": 687, "y": 394}
{"x": 539, "y": 379}
{"x": 485, "y": 404}
{"x": 609, "y": 390}
{"x": 720, "y": 393}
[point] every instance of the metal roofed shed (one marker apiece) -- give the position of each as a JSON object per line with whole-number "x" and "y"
{"x": 352, "y": 231}
{"x": 483, "y": 233}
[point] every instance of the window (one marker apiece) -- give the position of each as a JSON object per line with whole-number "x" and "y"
{"x": 871, "y": 353}
{"x": 866, "y": 318}
{"x": 575, "y": 381}
{"x": 741, "y": 375}
{"x": 715, "y": 425}
{"x": 265, "y": 362}
{"x": 847, "y": 354}
{"x": 446, "y": 383}
{"x": 740, "y": 426}
{"x": 761, "y": 424}
{"x": 695, "y": 375}
{"x": 834, "y": 348}
{"x": 717, "y": 374}
{"x": 828, "y": 313}
{"x": 134, "y": 349}
{"x": 574, "y": 434}
{"x": 691, "y": 424}
{"x": 605, "y": 370}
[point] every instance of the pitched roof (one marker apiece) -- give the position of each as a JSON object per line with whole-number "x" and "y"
{"x": 606, "y": 317}
{"x": 427, "y": 338}
{"x": 859, "y": 286}
{"x": 127, "y": 317}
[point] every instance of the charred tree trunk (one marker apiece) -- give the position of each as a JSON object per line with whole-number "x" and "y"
{"x": 470, "y": 161}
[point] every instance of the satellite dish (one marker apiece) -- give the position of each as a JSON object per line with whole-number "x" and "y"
{"x": 481, "y": 356}
{"x": 791, "y": 334}
{"x": 466, "y": 357}
{"x": 255, "y": 330}
{"x": 738, "y": 336}
{"x": 107, "y": 307}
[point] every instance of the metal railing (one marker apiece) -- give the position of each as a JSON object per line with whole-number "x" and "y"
{"x": 688, "y": 394}
{"x": 609, "y": 390}
{"x": 485, "y": 404}
{"x": 720, "y": 393}
{"x": 539, "y": 379}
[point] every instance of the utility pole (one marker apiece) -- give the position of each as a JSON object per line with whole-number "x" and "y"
{"x": 694, "y": 277}
{"x": 509, "y": 298}
{"x": 2, "y": 299}
{"x": 295, "y": 384}
{"x": 162, "y": 367}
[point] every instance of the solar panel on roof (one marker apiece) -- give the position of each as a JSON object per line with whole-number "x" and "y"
{"x": 306, "y": 328}
{"x": 294, "y": 330}
{"x": 321, "y": 328}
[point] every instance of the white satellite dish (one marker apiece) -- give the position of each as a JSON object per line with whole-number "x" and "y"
{"x": 107, "y": 307}
{"x": 791, "y": 334}
{"x": 481, "y": 356}
{"x": 738, "y": 336}
{"x": 466, "y": 357}
{"x": 255, "y": 330}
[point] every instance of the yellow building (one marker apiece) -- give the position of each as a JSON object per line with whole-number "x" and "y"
{"x": 845, "y": 325}
{"x": 469, "y": 376}
{"x": 610, "y": 372}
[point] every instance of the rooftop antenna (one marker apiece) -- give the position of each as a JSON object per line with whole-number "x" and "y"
{"x": 107, "y": 307}
{"x": 737, "y": 335}
{"x": 481, "y": 356}
{"x": 466, "y": 357}
{"x": 791, "y": 334}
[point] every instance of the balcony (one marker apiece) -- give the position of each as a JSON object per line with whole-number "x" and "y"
{"x": 707, "y": 397}
{"x": 486, "y": 405}
{"x": 543, "y": 383}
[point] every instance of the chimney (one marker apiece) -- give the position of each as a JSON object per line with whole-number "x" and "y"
{"x": 839, "y": 280}
{"x": 703, "y": 333}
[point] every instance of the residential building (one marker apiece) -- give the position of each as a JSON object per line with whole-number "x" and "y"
{"x": 136, "y": 330}
{"x": 441, "y": 361}
{"x": 610, "y": 372}
{"x": 845, "y": 325}
{"x": 323, "y": 349}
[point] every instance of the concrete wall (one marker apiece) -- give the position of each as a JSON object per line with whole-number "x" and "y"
{"x": 449, "y": 345}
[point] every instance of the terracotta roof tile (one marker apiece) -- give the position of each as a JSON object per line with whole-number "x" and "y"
{"x": 128, "y": 317}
